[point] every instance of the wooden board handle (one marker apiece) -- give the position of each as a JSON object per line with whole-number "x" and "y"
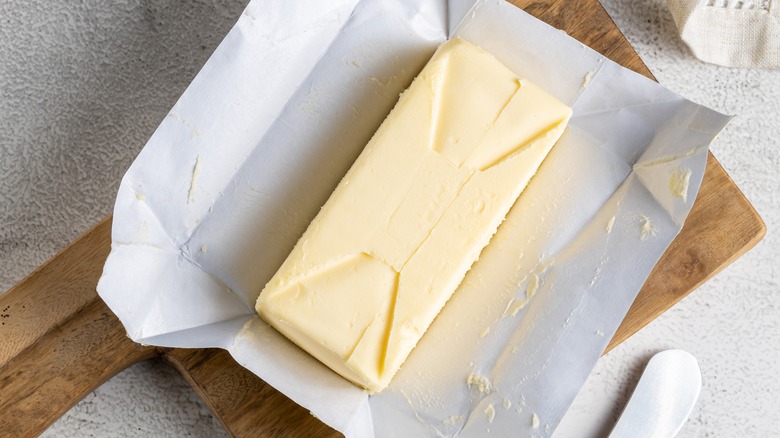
{"x": 244, "y": 403}
{"x": 58, "y": 340}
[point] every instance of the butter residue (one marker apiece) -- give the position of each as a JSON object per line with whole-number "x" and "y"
{"x": 381, "y": 83}
{"x": 586, "y": 80}
{"x": 610, "y": 224}
{"x": 533, "y": 285}
{"x": 481, "y": 382}
{"x": 194, "y": 132}
{"x": 454, "y": 420}
{"x": 514, "y": 306}
{"x": 517, "y": 304}
{"x": 679, "y": 181}
{"x": 647, "y": 227}
{"x": 670, "y": 158}
{"x": 535, "y": 421}
{"x": 143, "y": 231}
{"x": 194, "y": 180}
{"x": 491, "y": 413}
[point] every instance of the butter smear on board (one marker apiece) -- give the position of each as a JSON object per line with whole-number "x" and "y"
{"x": 411, "y": 216}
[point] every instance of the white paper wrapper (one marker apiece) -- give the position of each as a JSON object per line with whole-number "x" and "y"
{"x": 253, "y": 148}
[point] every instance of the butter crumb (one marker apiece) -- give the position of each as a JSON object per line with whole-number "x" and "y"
{"x": 203, "y": 248}
{"x": 533, "y": 285}
{"x": 610, "y": 224}
{"x": 586, "y": 80}
{"x": 143, "y": 232}
{"x": 139, "y": 196}
{"x": 535, "y": 421}
{"x": 194, "y": 180}
{"x": 507, "y": 403}
{"x": 491, "y": 413}
{"x": 678, "y": 183}
{"x": 514, "y": 306}
{"x": 484, "y": 332}
{"x": 481, "y": 382}
{"x": 356, "y": 63}
{"x": 647, "y": 227}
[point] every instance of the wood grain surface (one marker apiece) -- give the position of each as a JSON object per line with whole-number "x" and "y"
{"x": 59, "y": 341}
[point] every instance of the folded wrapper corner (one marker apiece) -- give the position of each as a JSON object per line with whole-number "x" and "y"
{"x": 413, "y": 213}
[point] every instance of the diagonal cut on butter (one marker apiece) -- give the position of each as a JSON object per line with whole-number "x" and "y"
{"x": 399, "y": 233}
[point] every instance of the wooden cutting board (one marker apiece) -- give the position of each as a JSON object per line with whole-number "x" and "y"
{"x": 59, "y": 341}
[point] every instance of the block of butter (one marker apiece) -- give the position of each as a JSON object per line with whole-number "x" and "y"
{"x": 412, "y": 215}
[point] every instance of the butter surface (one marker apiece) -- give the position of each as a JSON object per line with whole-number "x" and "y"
{"x": 411, "y": 216}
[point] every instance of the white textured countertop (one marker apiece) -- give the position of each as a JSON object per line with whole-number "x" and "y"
{"x": 83, "y": 85}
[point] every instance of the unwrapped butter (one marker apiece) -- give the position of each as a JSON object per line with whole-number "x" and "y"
{"x": 412, "y": 215}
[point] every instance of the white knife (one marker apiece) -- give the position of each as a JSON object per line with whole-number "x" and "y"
{"x": 663, "y": 398}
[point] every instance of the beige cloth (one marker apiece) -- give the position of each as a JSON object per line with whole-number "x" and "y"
{"x": 732, "y": 33}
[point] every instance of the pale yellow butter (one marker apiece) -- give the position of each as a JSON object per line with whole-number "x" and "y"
{"x": 412, "y": 215}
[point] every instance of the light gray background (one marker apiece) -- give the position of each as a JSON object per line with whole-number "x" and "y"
{"x": 84, "y": 84}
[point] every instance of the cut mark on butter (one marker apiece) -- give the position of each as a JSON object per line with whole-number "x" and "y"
{"x": 678, "y": 183}
{"x": 490, "y": 411}
{"x": 535, "y": 421}
{"x": 610, "y": 224}
{"x": 194, "y": 180}
{"x": 647, "y": 228}
{"x": 482, "y": 383}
